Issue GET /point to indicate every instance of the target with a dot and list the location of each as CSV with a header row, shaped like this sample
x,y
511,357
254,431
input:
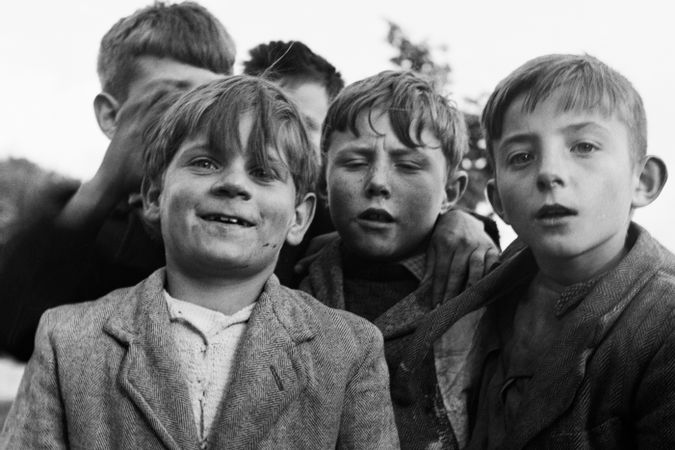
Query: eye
x,y
520,158
584,147
408,165
354,163
203,164
264,174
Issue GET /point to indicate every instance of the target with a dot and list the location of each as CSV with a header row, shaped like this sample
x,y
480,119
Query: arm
x,y
37,418
368,418
57,256
459,254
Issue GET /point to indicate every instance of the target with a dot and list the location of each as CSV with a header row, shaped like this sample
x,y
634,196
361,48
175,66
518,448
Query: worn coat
x,y
608,382
104,375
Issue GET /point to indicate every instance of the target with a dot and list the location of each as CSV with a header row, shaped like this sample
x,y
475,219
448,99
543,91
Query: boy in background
x,y
391,149
577,346
211,351
85,241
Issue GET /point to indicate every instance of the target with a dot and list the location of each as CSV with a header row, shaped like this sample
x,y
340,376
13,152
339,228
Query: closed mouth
x,y
554,212
376,215
230,220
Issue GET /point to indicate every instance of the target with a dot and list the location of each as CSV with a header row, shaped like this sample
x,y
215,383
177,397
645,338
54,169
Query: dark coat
x,y
608,382
104,375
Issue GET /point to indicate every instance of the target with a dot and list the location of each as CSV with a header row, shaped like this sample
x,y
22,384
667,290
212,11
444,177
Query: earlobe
x,y
106,108
651,180
454,190
151,192
304,213
495,199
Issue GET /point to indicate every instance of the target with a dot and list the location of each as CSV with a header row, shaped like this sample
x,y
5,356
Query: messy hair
x,y
185,32
413,106
583,82
293,60
215,109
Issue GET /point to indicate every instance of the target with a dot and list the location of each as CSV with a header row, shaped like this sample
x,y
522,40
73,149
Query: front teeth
x,y
228,220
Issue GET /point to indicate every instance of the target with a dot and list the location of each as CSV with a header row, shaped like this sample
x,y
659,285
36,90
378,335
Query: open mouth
x,y
230,220
554,212
376,215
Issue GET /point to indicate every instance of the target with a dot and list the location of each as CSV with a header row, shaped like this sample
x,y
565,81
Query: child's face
x,y
226,217
311,98
565,181
384,198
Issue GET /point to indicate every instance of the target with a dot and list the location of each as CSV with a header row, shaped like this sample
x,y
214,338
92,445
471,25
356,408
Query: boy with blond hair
x,y
577,346
211,351
391,147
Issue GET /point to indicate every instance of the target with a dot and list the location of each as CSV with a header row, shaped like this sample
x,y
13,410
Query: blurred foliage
x,y
419,58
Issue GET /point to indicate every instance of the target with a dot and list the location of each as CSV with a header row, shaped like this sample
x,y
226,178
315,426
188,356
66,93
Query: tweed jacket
x,y
608,382
104,375
397,324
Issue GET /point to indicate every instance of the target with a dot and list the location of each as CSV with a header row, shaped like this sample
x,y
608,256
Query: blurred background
x,y
48,78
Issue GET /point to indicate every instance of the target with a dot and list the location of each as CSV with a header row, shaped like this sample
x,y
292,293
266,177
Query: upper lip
x,y
227,218
376,215
554,210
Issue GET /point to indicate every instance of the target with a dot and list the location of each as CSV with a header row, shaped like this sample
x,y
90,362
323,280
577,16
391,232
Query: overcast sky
x,y
48,57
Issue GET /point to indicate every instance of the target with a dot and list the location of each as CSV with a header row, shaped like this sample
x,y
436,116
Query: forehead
x,y
150,70
552,115
310,97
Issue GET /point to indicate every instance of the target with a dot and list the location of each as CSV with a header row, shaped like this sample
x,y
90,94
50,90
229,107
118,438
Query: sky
x,y
48,55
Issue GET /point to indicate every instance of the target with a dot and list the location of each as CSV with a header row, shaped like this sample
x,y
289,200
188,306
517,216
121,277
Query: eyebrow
x,y
582,125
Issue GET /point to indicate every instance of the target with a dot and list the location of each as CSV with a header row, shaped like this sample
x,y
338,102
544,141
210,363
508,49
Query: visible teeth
x,y
226,219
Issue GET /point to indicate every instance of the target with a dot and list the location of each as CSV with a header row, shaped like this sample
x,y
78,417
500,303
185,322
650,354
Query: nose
x,y
552,170
232,182
378,182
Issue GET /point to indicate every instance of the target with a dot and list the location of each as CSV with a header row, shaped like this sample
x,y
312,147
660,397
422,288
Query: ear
x,y
151,193
106,108
495,199
304,213
652,178
454,189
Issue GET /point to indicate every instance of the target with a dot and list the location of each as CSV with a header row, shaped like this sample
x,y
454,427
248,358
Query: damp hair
x,y
582,82
185,32
214,110
413,106
293,61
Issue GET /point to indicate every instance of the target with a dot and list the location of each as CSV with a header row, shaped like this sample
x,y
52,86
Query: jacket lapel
x,y
562,371
270,371
148,372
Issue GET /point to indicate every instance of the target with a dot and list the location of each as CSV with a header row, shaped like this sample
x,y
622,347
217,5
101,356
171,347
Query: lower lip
x,y
555,221
374,224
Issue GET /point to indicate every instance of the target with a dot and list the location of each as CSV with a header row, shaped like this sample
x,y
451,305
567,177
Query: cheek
x,y
342,191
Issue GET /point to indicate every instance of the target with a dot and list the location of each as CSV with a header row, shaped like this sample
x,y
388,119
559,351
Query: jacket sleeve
x,y
655,404
368,418
36,419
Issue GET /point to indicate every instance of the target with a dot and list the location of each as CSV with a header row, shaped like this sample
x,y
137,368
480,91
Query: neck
x,y
584,266
226,295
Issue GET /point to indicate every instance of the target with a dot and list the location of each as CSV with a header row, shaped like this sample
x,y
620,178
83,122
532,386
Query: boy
x,y
312,83
391,148
577,346
212,351
87,240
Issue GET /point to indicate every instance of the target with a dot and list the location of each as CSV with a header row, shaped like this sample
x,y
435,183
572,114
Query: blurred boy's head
x,y
567,136
391,148
178,42
306,78
229,175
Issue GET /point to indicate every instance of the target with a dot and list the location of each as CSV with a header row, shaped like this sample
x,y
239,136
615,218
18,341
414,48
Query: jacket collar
x,y
268,373
326,282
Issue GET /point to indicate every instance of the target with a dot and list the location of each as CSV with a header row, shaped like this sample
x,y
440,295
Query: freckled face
x,y
224,214
565,181
384,198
